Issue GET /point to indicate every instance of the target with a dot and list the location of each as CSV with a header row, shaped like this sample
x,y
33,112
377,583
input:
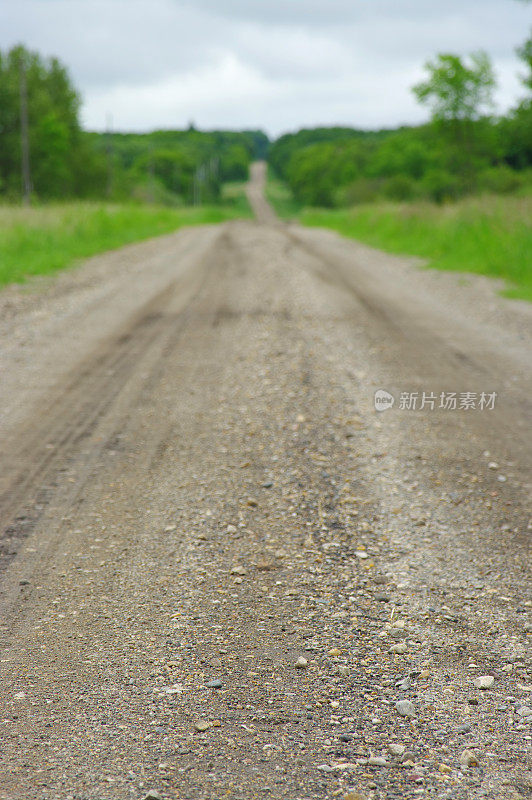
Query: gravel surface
x,y
224,574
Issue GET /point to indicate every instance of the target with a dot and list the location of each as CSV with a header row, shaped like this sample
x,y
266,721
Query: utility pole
x,y
151,175
24,134
109,154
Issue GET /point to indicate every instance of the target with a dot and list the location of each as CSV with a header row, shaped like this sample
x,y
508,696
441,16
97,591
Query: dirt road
x,y
224,574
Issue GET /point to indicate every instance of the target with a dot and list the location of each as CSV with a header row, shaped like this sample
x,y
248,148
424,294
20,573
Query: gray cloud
x,y
154,63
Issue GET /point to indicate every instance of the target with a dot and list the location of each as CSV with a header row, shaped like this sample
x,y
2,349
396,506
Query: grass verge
x,y
489,235
281,198
42,240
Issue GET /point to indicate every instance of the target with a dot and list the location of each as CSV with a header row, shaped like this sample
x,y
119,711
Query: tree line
x,y
44,151
463,150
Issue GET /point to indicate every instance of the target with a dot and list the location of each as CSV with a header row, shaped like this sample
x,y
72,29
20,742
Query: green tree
x,y
456,91
54,131
460,95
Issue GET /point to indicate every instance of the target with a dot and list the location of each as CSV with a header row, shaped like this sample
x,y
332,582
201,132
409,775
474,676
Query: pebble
x,y
214,684
345,737
468,759
238,570
399,649
152,795
396,749
301,663
377,761
361,554
463,729
524,711
202,726
405,684
405,708
335,652
484,682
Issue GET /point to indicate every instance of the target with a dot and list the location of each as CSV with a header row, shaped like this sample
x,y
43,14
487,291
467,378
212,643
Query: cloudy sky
x,y
271,64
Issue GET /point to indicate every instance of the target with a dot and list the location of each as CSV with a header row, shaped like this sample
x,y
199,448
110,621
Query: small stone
x,y
463,729
396,749
524,711
231,529
468,759
345,737
444,769
170,528
361,554
265,565
396,633
404,685
405,708
399,649
252,503
152,795
382,598
214,684
202,726
19,696
301,663
377,761
354,796
238,570
484,682
334,651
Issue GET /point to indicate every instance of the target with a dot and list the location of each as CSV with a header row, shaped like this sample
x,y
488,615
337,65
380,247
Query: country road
x,y
224,574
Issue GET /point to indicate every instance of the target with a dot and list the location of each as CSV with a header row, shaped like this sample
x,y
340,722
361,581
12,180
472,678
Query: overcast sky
x,y
272,64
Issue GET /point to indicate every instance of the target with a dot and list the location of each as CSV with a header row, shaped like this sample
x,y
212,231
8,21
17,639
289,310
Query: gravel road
x,y
224,574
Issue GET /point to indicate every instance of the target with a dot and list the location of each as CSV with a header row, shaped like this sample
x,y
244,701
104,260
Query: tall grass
x,y
280,197
489,235
40,241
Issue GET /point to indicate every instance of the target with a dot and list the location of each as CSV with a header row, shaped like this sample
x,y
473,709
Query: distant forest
x,y
464,149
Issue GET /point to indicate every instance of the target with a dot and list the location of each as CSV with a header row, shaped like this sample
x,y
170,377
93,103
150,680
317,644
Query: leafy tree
x,y
457,91
54,131
459,95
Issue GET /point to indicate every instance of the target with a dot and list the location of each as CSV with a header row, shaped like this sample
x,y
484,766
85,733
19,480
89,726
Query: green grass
x,y
280,197
489,235
42,240
234,198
